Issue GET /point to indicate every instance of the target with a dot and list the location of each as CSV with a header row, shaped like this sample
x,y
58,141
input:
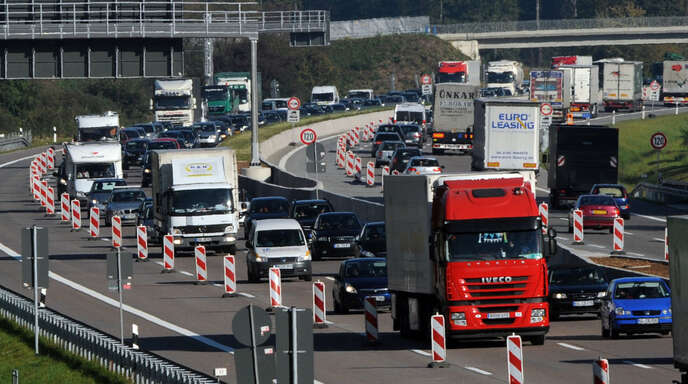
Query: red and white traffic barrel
x,y
36,188
275,278
94,222
370,309
514,360
167,253
50,202
44,193
116,231
142,242
319,309
65,214
229,276
350,159
618,239
438,341
338,158
76,215
577,226
50,159
357,136
370,173
600,371
385,172
544,216
357,169
201,264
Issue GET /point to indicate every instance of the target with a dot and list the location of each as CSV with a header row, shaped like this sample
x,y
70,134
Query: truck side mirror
x,y
551,242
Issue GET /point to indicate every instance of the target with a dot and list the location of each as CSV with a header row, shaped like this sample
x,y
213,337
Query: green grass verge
x,y
241,143
53,365
638,161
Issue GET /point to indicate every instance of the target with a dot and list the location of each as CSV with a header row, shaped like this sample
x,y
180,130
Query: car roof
x,y
374,223
359,259
264,198
422,158
138,139
306,202
108,180
270,224
336,214
609,186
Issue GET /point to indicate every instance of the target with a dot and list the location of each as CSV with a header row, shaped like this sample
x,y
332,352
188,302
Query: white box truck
x,y
103,127
453,117
585,90
678,270
675,82
622,84
552,87
505,74
85,163
195,197
173,101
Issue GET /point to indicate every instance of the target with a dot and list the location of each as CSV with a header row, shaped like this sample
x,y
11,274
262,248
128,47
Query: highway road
x,y
191,324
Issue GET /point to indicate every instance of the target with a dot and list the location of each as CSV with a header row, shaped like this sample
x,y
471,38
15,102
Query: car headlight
x,y
146,170
63,181
560,296
459,318
620,311
258,258
602,294
666,311
306,256
94,201
177,232
350,288
229,228
211,137
323,238
365,253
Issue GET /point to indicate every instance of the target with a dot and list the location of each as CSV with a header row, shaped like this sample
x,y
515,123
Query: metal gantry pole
x,y
255,152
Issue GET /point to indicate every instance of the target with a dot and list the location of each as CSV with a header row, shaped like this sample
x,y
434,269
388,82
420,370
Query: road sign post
x,y
35,267
309,137
658,141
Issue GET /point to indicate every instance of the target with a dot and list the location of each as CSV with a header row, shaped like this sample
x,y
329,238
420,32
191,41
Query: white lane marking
x,y
596,246
423,353
329,278
637,364
635,254
250,296
478,370
317,382
658,239
569,346
18,160
649,217
564,218
186,273
136,312
628,233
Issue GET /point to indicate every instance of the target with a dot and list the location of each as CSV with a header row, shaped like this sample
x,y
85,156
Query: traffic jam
x,y
466,249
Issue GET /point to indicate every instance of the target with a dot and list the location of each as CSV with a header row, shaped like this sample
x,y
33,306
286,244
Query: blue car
x,y
357,279
636,305
618,193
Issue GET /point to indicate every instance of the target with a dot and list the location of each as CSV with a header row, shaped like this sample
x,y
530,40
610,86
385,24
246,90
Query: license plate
x,y
130,216
599,212
648,320
203,239
379,298
283,266
586,303
498,315
347,245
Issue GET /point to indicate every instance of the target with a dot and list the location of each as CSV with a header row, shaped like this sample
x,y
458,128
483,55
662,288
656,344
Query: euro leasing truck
x,y
173,102
463,72
675,82
195,197
551,87
103,127
506,135
505,74
579,157
470,247
453,117
240,83
678,270
84,163
622,84
586,97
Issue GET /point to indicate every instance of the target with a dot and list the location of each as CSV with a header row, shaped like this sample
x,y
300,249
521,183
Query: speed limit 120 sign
x,y
658,141
308,136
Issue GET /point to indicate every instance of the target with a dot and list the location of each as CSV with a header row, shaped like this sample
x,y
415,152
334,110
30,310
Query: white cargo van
x,y
325,95
85,163
410,113
274,104
365,94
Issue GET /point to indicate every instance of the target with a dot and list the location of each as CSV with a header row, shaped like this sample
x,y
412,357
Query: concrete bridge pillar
x,y
468,48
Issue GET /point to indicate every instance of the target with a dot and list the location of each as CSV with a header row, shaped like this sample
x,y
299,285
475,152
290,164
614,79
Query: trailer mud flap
x,y
414,321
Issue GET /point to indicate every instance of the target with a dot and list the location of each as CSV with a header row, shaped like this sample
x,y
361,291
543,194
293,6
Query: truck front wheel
x,y
537,340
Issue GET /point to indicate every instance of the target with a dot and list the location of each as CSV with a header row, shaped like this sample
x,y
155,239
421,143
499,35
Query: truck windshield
x,y
172,102
97,133
500,77
95,171
456,77
329,96
202,201
242,95
493,245
280,238
215,95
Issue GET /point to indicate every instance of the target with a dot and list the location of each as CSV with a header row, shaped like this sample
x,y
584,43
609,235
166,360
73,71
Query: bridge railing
x,y
532,25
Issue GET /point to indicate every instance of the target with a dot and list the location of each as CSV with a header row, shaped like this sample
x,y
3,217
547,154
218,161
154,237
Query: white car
x,y
278,243
423,165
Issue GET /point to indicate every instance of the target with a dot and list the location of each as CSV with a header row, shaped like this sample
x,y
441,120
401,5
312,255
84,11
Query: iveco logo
x,y
500,279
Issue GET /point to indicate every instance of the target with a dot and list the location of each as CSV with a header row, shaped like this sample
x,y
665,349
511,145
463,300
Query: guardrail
x,y
83,341
533,25
660,193
10,141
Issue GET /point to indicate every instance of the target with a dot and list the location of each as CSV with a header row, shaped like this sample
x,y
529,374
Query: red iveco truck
x,y
468,246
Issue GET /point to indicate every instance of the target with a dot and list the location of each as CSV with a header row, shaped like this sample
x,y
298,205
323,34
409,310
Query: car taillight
x,y
416,134
471,135
412,169
617,212
438,169
438,135
378,142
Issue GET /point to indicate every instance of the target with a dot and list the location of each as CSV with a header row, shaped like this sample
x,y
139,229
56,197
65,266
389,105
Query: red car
x,y
599,212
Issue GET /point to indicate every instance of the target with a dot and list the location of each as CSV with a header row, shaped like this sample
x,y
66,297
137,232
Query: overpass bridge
x,y
472,37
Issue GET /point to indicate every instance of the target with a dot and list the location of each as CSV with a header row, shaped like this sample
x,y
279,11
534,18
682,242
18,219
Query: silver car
x,y
384,153
413,134
423,165
208,134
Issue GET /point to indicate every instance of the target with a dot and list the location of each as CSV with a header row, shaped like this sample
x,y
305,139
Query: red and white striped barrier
x,y
600,371
36,188
168,253
350,164
275,277
370,308
544,216
94,222
666,244
395,173
514,359
372,132
43,164
116,231
578,226
357,169
319,308
385,172
50,202
370,173
142,242
438,339
201,265
618,236
44,193
50,159
340,157
230,276
65,215
76,215
357,136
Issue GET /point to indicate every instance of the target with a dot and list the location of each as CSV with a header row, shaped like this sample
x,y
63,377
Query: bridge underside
x,y
91,58
581,41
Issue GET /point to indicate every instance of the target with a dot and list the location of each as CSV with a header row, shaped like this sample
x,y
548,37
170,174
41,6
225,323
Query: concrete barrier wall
x,y
16,143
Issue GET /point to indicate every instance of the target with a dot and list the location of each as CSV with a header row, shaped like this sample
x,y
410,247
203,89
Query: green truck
x,y
239,84
220,99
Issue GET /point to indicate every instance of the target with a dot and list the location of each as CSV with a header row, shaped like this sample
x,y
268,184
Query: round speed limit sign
x,y
308,136
658,141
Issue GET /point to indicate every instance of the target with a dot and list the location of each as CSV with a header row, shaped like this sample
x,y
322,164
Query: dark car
x,y
618,193
384,136
401,157
371,242
146,219
636,305
100,192
128,134
372,103
150,129
271,207
186,137
125,203
576,290
334,234
306,211
358,279
411,96
134,150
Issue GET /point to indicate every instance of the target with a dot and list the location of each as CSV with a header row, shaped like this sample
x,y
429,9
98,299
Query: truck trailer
x,y
586,97
675,83
552,87
173,102
470,247
622,84
103,127
453,117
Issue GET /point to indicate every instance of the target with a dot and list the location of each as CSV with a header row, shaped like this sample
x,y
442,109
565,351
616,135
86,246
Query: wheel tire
x,y
125,166
664,333
611,230
570,228
553,316
537,340
252,277
339,308
308,277
614,333
605,332
316,255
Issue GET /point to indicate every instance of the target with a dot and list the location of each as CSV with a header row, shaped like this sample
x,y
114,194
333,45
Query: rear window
x,y
107,186
597,200
406,153
136,145
424,163
390,146
162,145
610,191
409,128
